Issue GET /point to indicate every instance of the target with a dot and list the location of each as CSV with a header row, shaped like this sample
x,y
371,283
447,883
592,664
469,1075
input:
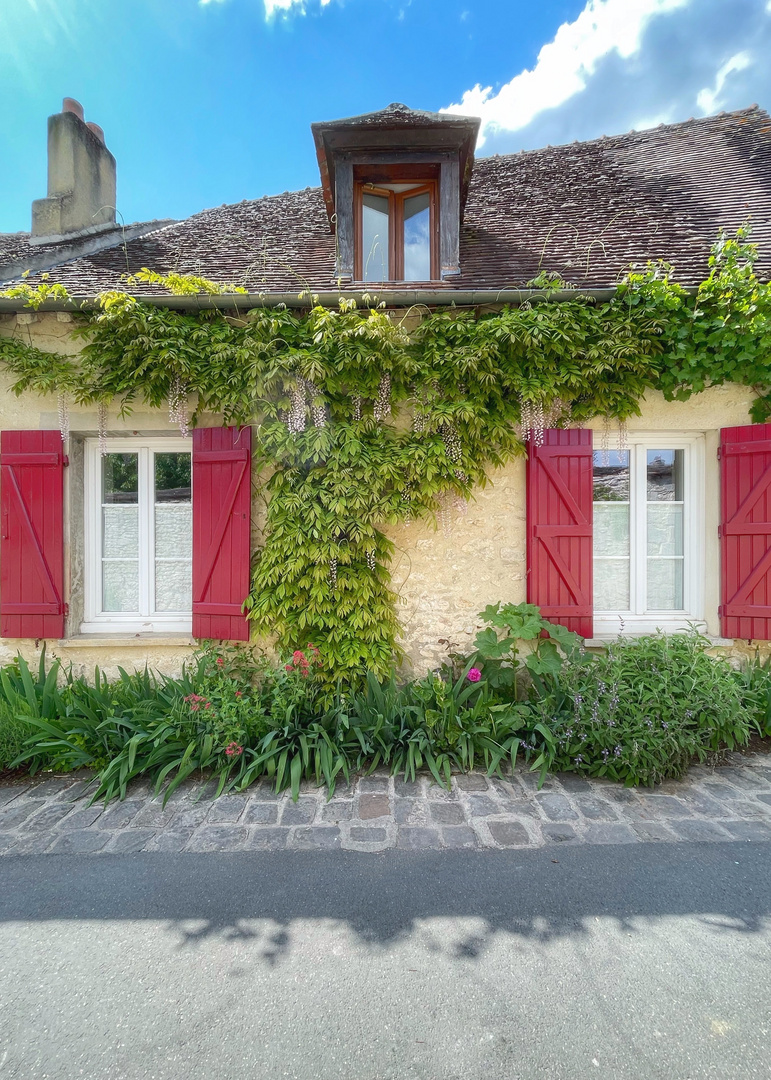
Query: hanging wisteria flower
x,y
474,675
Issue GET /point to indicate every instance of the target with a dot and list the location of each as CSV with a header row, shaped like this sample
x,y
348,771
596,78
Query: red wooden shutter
x,y
745,532
559,527
222,499
32,543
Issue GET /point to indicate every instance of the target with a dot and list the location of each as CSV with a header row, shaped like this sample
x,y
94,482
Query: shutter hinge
x,y
66,609
720,532
719,452
721,611
65,461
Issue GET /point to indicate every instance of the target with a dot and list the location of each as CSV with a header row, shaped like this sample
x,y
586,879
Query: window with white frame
x,y
648,542
138,505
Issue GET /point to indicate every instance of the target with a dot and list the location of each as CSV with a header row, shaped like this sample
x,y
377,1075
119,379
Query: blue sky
x,y
209,101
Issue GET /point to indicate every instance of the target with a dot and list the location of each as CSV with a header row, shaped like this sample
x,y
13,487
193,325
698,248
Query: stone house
x,y
142,543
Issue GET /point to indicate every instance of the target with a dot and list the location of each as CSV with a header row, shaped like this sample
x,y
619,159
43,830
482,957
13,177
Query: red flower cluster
x,y
301,663
196,702
220,662
234,750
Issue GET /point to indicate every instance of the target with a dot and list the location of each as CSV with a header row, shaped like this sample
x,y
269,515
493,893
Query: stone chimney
x,y
81,180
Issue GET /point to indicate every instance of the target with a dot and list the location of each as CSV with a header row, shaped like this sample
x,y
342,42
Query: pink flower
x,y
220,661
239,693
474,675
234,750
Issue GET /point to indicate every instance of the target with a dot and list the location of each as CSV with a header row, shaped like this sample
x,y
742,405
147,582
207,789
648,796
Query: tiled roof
x,y
586,211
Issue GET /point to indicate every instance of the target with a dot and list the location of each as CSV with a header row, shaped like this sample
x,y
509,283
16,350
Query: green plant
x,y
642,710
498,646
756,692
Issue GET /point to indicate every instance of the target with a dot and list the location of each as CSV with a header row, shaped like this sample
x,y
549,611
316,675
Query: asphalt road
x,y
638,961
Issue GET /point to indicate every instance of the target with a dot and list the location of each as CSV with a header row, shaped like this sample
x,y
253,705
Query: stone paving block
x,y
743,777
153,816
459,836
82,789
519,808
32,843
720,790
653,831
615,793
447,813
80,841
509,833
19,811
118,815
168,839
666,806
506,789
472,782
764,798
558,834
337,810
130,840
701,803
439,793
613,833
748,830
267,838
408,811
81,819
556,807
574,784
300,813
263,792
482,806
595,809
746,808
361,835
317,836
699,830
46,818
373,806
52,788
408,788
261,813
227,808
190,817
531,782
218,838
414,838
373,785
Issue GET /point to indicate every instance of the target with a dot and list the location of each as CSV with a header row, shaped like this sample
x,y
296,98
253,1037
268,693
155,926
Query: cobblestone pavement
x,y
730,802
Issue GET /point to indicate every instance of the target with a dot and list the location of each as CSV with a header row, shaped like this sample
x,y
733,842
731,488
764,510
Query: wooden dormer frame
x,y
395,174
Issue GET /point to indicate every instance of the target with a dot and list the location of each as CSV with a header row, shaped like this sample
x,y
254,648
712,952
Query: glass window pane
x,y
665,584
173,586
120,585
417,238
611,529
174,532
172,478
665,475
119,478
374,237
120,532
611,584
665,529
611,475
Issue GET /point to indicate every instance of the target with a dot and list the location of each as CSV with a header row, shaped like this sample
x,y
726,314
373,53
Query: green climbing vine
x,y
366,419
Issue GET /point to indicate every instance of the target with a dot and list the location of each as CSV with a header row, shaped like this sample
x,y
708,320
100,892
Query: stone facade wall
x,y
443,577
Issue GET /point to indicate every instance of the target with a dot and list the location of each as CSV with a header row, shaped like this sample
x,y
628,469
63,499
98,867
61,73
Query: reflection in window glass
x,y
120,532
612,567
665,475
119,478
374,237
665,545
417,238
172,478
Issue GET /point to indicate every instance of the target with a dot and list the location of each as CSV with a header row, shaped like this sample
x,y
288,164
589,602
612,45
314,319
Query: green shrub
x,y
756,691
643,710
14,731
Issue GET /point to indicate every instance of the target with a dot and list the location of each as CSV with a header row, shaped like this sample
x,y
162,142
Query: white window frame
x,y
608,624
97,621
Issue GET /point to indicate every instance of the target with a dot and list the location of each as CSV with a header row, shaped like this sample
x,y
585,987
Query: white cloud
x,y
565,64
274,7
708,99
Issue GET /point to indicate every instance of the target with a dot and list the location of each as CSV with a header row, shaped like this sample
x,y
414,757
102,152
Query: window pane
x,y
120,532
665,529
611,529
665,475
119,473
120,585
611,584
173,586
665,584
173,532
374,237
611,475
417,238
172,478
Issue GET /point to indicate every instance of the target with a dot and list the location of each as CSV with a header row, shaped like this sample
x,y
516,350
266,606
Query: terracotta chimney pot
x,y
71,105
96,130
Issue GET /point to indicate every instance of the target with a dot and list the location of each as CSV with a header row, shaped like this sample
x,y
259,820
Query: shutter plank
x,y
745,475
221,532
32,543
559,528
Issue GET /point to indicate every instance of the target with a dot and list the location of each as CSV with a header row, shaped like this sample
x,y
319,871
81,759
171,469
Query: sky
x,y
206,102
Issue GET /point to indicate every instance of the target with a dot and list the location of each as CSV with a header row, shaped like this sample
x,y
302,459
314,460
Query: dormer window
x,y
395,184
397,219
